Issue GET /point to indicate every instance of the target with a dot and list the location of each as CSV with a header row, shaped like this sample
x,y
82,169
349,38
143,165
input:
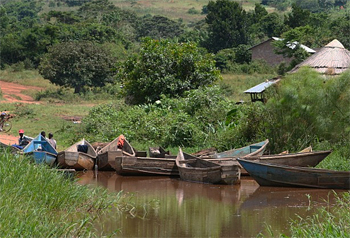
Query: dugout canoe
x,y
300,159
133,165
79,156
266,174
118,147
249,150
195,169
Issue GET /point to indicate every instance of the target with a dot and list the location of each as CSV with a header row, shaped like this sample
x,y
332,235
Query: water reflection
x,y
168,207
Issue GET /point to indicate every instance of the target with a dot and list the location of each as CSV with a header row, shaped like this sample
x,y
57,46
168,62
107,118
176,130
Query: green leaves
x,y
162,67
77,65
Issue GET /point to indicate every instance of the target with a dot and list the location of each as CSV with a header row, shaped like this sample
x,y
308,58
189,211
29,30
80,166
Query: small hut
x,y
332,59
257,92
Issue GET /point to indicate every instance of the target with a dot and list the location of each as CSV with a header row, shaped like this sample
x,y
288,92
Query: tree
x,y
290,45
227,25
298,17
165,68
341,29
159,27
77,64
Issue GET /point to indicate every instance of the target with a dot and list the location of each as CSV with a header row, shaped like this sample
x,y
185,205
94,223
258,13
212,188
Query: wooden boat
x,y
195,169
250,150
118,147
79,156
301,159
41,151
288,176
158,152
133,165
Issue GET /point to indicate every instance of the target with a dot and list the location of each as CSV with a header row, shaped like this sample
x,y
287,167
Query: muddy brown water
x,y
169,207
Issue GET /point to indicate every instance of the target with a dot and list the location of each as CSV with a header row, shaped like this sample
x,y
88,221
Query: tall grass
x,y
39,202
328,222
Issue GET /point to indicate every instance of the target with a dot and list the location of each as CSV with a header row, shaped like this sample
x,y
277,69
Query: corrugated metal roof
x,y
291,46
295,43
261,87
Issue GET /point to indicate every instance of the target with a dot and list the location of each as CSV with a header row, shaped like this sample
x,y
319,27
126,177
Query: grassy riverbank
x,y
328,222
40,202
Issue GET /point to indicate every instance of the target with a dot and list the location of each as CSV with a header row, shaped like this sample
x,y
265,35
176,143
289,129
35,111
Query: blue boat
x,y
256,149
266,174
41,150
249,150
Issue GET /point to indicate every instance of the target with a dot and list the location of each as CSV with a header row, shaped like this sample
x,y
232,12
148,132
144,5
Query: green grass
x,y
330,221
173,9
237,84
40,202
25,77
34,118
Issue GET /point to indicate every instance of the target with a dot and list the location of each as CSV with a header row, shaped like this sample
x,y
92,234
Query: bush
x,y
190,121
166,68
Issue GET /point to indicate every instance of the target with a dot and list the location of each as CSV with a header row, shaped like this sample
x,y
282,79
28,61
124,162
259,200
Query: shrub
x,y
166,68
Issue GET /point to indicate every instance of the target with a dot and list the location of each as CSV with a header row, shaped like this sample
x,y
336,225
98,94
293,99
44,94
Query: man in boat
x,y
52,140
43,134
22,140
120,143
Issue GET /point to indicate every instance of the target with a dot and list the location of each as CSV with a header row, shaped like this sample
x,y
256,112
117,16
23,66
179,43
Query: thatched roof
x,y
331,59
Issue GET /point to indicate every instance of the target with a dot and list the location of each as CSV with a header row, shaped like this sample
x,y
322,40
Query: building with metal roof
x,y
266,51
257,92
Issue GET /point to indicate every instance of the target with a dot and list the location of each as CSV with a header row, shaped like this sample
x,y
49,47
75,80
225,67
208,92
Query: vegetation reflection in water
x,y
168,207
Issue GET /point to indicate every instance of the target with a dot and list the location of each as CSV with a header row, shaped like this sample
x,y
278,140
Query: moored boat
x,y
267,174
195,169
41,150
133,165
79,156
301,159
249,150
118,147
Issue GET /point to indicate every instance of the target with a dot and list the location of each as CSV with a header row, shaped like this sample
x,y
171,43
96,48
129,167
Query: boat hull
x,y
131,165
118,147
42,157
194,169
41,151
75,160
288,176
250,150
308,159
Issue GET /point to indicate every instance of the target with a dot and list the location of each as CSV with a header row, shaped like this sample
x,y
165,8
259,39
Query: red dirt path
x,y
12,93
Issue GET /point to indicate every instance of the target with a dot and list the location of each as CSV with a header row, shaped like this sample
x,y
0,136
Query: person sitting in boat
x,y
120,143
43,134
22,140
52,140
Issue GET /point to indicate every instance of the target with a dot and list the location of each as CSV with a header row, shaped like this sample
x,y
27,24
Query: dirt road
x,y
12,93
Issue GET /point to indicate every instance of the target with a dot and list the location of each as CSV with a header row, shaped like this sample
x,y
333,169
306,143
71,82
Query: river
x,y
169,207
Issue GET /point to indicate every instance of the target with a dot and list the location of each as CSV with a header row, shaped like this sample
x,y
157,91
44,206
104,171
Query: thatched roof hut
x,y
332,59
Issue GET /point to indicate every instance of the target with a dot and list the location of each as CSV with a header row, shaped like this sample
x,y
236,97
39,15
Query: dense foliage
x,y
226,22
162,67
77,65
